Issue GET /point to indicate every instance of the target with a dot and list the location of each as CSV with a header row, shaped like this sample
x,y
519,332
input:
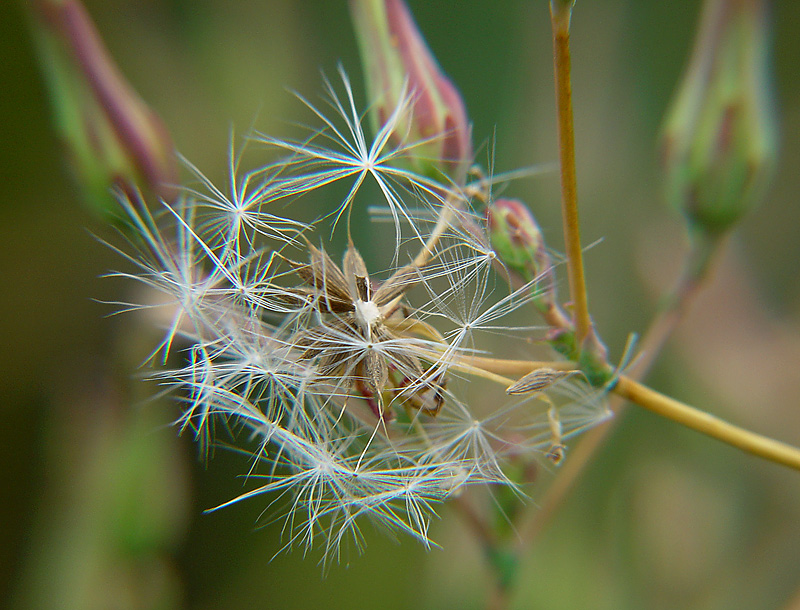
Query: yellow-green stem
x,y
688,416
560,18
442,223
501,366
708,424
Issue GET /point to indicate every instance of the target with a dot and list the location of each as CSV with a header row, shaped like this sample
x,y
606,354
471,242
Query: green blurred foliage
x,y
663,519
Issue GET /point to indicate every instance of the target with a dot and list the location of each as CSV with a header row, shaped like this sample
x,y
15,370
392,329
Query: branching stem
x,y
665,406
673,309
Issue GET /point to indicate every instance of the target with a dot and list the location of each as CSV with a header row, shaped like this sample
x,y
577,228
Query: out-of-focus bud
x,y
397,62
113,138
719,136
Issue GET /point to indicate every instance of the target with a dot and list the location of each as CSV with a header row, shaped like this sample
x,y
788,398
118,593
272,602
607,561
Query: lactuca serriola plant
x,y
353,388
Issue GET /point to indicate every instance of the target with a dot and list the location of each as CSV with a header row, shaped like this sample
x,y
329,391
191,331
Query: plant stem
x,y
708,424
446,215
450,215
695,269
677,411
794,602
514,367
476,523
560,13
491,547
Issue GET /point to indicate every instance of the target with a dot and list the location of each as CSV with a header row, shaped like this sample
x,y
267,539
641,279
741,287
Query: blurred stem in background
x,y
110,135
116,487
115,493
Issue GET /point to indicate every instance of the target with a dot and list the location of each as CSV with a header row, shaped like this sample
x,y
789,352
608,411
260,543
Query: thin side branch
x,y
514,367
627,388
446,215
708,424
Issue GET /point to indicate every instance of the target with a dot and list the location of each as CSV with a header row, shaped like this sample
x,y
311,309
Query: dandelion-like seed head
x,y
348,385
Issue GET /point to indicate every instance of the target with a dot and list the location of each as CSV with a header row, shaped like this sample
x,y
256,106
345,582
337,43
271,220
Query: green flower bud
x,y
113,138
516,238
719,136
397,62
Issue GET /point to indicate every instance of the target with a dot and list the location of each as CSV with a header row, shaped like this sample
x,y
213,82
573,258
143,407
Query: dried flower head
x,y
356,398
364,335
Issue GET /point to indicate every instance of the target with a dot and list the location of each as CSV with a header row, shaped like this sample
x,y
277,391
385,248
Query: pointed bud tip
x,y
516,237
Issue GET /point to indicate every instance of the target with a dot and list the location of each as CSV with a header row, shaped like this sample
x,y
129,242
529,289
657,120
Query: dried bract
x,y
364,334
538,380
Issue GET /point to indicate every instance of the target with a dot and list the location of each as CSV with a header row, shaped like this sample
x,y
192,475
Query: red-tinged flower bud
x,y
516,238
398,63
114,139
719,136
517,241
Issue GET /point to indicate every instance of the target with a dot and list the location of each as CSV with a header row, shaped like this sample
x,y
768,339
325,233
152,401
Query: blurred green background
x,y
102,504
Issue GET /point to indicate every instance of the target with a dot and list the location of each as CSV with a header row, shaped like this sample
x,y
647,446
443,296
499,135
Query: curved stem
x,y
492,548
627,388
708,424
560,13
794,602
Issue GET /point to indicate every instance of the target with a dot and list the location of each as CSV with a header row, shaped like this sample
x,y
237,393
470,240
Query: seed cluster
x,y
355,398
